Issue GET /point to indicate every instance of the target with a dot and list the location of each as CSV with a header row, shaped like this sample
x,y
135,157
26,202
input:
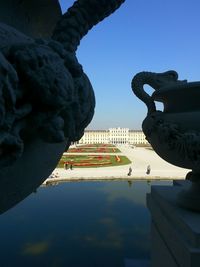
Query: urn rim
x,y
176,87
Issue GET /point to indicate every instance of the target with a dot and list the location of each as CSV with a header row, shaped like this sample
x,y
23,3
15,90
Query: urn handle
x,y
156,81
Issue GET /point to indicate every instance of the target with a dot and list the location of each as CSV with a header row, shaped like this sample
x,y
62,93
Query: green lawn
x,y
93,161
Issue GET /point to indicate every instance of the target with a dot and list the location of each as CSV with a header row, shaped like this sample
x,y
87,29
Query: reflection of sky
x,y
35,248
135,193
77,224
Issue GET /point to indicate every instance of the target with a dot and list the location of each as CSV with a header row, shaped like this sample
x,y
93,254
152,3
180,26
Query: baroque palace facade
x,y
114,136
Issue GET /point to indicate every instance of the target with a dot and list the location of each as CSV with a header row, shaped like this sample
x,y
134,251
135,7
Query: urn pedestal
x,y
175,232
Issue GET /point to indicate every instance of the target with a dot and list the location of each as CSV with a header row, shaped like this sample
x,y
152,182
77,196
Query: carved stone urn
x,y
174,133
46,98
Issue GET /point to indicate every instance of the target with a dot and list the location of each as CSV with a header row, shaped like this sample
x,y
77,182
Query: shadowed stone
x,y
46,99
34,18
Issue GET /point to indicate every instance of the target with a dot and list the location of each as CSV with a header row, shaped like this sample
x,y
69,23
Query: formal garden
x,y
94,149
96,145
91,161
103,156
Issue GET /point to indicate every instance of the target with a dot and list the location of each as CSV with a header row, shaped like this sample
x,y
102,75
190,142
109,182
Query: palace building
x,y
114,136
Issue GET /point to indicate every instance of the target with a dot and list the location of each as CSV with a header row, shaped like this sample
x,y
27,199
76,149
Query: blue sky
x,y
142,35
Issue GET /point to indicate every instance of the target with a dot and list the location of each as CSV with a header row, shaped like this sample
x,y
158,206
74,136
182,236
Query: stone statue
x,y
34,18
46,98
174,133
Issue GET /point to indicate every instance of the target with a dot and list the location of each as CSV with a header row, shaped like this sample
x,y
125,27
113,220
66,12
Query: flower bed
x,y
93,150
96,145
117,158
80,161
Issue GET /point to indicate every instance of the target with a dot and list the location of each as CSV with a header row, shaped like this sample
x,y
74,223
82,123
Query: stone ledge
x,y
137,263
178,228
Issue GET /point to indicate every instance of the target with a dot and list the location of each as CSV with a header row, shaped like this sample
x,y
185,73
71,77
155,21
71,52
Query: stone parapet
x,y
175,232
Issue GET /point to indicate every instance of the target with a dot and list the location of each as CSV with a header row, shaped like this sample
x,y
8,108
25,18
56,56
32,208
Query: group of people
x,y
147,171
54,175
68,166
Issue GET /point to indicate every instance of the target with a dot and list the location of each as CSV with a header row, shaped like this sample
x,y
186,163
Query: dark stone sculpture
x,y
34,18
174,133
46,98
42,83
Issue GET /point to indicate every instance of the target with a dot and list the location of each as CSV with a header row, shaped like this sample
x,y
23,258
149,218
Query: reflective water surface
x,y
78,224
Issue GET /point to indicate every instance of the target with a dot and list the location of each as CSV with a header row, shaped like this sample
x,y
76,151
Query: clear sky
x,y
143,35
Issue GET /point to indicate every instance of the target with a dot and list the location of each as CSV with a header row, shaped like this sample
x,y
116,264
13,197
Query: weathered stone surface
x,y
45,96
35,18
175,232
174,133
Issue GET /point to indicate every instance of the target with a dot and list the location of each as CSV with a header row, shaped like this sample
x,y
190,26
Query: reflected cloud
x,y
118,190
134,192
108,221
37,248
112,240
116,237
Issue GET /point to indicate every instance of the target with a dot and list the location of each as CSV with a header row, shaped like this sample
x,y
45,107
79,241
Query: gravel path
x,y
140,157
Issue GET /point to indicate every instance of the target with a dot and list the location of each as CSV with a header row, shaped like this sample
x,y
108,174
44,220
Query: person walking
x,y
66,166
148,169
130,171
